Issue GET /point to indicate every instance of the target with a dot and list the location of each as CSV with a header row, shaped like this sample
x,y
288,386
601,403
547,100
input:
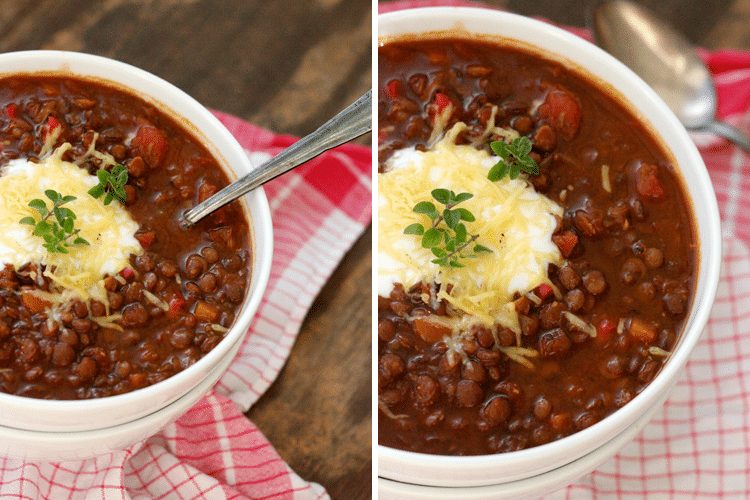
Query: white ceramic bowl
x,y
555,43
34,415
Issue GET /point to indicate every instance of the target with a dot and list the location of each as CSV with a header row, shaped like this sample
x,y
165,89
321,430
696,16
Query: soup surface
x,y
176,292
587,337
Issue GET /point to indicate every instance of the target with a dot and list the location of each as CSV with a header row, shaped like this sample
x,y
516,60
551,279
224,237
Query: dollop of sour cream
x,y
512,219
109,229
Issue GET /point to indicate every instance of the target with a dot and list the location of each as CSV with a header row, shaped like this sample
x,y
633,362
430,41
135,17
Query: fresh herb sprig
x,y
111,185
58,233
514,158
447,237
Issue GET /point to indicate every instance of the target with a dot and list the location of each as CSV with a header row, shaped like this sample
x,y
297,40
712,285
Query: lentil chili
x,y
628,245
176,300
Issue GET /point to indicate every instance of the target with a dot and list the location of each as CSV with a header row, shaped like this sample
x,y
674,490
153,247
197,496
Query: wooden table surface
x,y
285,65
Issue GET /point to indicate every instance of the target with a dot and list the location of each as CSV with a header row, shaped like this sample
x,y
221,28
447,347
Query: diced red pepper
x,y
127,273
176,303
544,290
149,143
51,124
562,112
10,110
566,242
647,182
392,89
605,330
442,101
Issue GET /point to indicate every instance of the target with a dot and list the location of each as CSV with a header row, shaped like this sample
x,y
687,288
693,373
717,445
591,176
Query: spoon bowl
x,y
666,61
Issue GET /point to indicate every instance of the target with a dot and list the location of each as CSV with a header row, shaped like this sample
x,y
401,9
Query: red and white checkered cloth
x,y
214,451
698,445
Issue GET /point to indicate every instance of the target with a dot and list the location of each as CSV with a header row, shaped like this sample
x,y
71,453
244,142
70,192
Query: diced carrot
x,y
647,182
563,113
642,330
431,331
566,242
34,303
149,143
206,312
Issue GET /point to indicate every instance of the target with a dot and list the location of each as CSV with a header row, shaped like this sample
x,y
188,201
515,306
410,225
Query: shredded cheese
x,y
109,229
512,219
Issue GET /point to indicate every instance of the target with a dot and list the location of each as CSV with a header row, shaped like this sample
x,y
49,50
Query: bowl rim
x,y
165,95
414,467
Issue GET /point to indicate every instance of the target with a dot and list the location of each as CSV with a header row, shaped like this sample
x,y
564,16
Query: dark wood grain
x,y
711,24
285,65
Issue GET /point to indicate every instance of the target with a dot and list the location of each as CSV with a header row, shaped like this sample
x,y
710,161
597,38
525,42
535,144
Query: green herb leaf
x,y
448,238
461,233
57,233
431,238
111,185
426,208
415,228
461,197
466,215
442,196
514,159
452,218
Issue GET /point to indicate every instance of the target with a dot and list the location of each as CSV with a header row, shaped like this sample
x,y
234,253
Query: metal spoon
x,y
349,124
666,61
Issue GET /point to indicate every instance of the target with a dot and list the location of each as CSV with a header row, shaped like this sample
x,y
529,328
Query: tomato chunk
x,y
566,242
647,183
145,238
562,112
149,143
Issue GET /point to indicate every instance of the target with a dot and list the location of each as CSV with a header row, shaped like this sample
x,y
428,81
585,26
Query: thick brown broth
x,y
630,257
199,275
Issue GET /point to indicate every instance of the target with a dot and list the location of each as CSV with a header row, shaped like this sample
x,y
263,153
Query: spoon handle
x,y
727,131
349,124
